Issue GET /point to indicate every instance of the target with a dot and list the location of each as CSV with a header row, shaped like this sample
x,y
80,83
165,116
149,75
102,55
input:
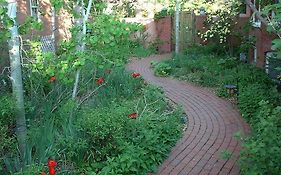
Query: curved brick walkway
x,y
212,123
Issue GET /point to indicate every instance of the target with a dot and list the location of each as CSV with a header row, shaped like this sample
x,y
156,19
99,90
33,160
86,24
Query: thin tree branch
x,y
89,95
88,10
256,12
259,16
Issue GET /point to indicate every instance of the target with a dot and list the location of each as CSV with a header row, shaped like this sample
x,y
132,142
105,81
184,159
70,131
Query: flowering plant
x,y
100,81
135,75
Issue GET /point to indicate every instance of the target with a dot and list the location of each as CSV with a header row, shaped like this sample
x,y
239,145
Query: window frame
x,y
33,6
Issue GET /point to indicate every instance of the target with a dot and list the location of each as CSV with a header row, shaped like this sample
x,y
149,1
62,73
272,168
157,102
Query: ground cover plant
x,y
126,127
258,101
114,123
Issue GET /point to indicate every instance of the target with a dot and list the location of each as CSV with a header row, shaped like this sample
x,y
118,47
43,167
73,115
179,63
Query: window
x,y
255,21
255,55
268,55
271,63
34,8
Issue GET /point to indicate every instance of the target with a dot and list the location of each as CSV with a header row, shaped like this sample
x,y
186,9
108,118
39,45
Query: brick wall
x,y
263,45
63,19
164,30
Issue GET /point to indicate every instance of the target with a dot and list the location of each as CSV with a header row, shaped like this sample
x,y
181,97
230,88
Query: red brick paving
x,y
212,123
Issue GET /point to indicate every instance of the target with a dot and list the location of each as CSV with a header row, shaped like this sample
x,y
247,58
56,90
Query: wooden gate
x,y
186,30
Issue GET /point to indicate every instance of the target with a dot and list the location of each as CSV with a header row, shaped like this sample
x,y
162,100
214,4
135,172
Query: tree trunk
x,y
81,46
16,78
53,25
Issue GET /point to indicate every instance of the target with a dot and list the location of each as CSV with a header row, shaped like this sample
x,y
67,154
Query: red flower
x,y
52,164
52,79
52,171
135,75
107,71
133,115
100,81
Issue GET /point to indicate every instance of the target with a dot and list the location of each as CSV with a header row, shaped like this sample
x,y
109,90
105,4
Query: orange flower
x,y
133,115
135,75
100,81
52,79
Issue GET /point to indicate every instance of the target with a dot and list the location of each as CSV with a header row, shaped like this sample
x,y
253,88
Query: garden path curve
x,y
212,122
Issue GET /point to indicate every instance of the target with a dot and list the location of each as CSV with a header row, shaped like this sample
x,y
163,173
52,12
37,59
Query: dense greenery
x,y
271,12
107,43
98,137
161,68
258,101
115,125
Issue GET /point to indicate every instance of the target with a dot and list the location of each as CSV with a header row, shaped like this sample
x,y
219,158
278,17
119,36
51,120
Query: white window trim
x,y
255,55
268,55
255,21
34,7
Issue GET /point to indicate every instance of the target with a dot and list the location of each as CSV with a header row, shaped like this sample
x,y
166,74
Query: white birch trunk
x,y
81,46
177,16
16,78
53,25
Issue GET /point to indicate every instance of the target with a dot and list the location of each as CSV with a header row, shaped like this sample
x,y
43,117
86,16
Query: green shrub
x,y
162,69
116,144
249,98
260,153
153,63
7,121
104,140
103,129
7,113
163,13
7,142
149,140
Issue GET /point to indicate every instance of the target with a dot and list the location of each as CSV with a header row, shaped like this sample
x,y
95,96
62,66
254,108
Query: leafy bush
x,y
163,13
260,153
112,143
7,121
162,69
153,64
251,95
7,113
7,141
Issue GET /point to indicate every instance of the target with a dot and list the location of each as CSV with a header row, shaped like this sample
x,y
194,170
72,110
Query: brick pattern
x,y
212,122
